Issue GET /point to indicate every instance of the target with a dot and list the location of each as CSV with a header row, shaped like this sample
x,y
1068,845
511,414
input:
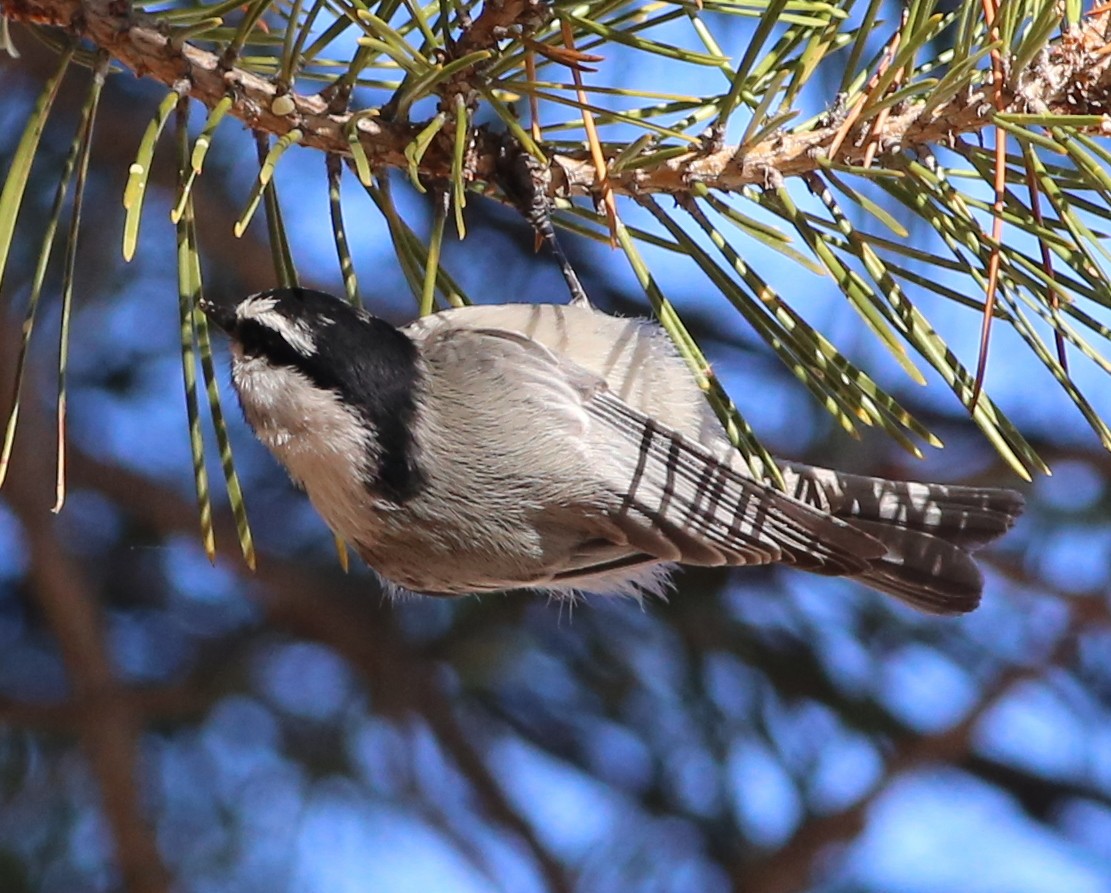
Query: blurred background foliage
x,y
166,723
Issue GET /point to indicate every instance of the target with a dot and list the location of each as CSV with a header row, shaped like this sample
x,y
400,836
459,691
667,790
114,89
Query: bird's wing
x,y
669,497
679,502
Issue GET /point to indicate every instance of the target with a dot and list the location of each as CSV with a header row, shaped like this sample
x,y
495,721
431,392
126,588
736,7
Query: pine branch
x,y
1071,77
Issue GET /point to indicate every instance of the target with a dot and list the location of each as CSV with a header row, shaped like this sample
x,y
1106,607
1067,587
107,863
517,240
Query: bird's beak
x,y
220,314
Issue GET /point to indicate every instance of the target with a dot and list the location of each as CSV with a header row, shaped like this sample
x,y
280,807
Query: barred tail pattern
x,y
930,531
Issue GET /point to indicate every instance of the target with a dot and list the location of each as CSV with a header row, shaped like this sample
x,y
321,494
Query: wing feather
x,y
712,514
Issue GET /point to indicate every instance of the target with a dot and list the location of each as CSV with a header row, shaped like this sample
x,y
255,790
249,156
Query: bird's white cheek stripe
x,y
295,333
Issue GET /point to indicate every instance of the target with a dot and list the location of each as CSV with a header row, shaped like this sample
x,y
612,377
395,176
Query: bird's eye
x,y
260,340
268,331
252,337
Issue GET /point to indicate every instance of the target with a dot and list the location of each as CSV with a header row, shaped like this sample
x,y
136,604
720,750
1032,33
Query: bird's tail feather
x,y
923,570
930,531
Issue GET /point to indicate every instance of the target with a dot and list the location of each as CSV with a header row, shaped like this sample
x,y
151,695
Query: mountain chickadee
x,y
558,448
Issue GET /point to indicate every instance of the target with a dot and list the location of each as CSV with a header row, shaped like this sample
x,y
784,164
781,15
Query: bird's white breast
x,y
322,443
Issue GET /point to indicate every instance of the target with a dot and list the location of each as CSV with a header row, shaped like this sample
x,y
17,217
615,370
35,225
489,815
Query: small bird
x,y
558,448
